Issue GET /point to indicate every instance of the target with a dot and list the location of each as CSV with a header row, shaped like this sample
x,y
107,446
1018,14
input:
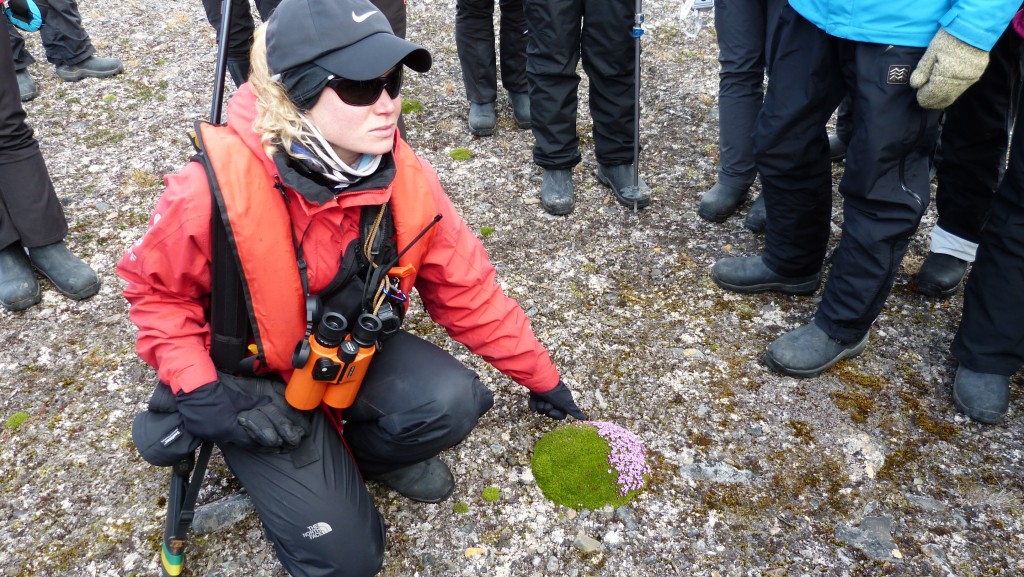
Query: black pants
x,y
559,36
241,27
29,210
744,30
474,38
991,334
885,186
416,401
971,156
64,40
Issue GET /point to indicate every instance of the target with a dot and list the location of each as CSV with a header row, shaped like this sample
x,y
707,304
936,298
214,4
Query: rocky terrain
x,y
866,470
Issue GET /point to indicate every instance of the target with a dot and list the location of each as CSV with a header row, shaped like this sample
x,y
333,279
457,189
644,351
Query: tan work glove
x,y
949,66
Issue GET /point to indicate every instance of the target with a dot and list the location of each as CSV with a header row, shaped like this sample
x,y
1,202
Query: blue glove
x,y
556,403
247,412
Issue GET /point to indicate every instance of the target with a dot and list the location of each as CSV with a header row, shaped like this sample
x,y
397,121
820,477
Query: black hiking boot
x,y
749,274
807,351
91,67
26,85
940,275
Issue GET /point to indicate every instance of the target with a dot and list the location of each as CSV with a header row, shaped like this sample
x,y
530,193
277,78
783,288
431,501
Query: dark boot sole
x,y
798,289
83,74
808,373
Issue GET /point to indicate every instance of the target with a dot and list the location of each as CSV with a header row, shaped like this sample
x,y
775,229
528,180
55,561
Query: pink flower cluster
x,y
628,455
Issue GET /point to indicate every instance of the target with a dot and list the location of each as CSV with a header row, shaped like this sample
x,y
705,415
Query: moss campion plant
x,y
590,464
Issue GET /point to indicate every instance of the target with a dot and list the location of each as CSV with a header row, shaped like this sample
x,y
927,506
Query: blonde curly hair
x,y
278,121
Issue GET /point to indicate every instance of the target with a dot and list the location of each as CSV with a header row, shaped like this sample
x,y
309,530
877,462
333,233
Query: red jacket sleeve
x,y
460,292
168,283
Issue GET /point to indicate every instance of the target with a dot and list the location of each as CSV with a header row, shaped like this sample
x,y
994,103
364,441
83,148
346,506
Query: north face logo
x,y
318,530
898,74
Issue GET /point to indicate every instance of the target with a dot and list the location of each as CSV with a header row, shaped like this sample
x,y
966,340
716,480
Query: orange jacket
x,y
168,270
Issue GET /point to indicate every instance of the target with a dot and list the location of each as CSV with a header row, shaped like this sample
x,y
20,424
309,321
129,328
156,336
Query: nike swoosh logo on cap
x,y
361,17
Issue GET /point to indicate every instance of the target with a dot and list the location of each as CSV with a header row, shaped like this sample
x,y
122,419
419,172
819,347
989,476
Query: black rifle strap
x,y
188,504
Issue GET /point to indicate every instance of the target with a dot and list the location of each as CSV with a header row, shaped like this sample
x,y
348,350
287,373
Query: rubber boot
x,y
720,202
19,288
940,275
429,481
984,397
239,71
749,274
66,271
482,119
808,350
556,194
620,179
521,108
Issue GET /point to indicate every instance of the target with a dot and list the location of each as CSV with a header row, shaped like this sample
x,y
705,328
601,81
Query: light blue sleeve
x,y
979,22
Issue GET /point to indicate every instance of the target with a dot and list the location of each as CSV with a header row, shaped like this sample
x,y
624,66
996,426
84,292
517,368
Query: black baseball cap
x,y
348,38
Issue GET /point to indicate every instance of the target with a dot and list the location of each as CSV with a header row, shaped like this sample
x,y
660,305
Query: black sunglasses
x,y
366,92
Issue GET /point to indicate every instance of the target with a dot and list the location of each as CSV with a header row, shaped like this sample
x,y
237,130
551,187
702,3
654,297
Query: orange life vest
x,y
259,232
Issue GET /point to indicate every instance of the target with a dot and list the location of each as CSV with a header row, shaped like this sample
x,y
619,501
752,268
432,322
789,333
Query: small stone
x,y
587,544
221,514
474,552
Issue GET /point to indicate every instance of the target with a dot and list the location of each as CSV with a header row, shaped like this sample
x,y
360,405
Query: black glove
x,y
556,403
247,412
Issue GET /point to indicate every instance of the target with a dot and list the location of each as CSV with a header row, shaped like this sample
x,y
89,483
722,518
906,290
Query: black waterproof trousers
x,y
65,41
744,30
971,155
885,186
474,39
415,401
991,335
599,32
30,212
241,27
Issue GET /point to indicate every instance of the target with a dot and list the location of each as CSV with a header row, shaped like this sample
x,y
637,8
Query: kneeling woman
x,y
325,204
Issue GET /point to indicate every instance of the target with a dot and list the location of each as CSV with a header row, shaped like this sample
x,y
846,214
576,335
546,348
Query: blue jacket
x,y
910,22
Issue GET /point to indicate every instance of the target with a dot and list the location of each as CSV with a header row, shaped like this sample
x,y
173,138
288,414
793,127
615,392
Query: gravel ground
x,y
867,470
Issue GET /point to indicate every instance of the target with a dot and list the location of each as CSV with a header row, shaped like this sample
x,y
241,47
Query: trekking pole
x,y
638,31
187,475
222,61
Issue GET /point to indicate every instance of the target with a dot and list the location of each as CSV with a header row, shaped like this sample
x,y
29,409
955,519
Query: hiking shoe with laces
x,y
429,481
556,194
482,119
66,271
19,288
807,351
620,179
749,274
984,397
91,67
720,202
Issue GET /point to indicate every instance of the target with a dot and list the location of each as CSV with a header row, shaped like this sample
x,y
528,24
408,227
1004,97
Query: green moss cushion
x,y
590,464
